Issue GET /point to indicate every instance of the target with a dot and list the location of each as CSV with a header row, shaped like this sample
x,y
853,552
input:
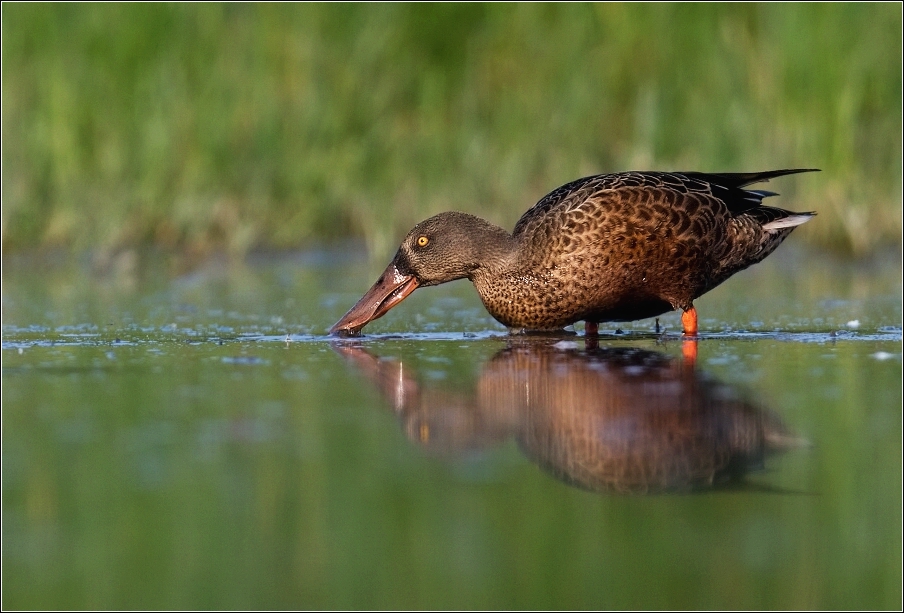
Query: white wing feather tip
x,y
791,221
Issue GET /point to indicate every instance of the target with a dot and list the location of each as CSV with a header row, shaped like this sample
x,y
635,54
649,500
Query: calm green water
x,y
190,439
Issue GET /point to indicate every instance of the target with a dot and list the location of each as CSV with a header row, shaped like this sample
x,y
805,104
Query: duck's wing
x,y
573,194
726,187
729,188
743,179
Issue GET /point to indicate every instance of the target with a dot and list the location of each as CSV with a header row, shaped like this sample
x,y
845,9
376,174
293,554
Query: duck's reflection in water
x,y
622,420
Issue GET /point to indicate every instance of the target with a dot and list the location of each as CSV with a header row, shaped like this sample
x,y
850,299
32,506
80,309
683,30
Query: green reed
x,y
206,127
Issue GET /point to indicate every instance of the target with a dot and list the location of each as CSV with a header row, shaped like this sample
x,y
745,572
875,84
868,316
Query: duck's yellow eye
x,y
422,241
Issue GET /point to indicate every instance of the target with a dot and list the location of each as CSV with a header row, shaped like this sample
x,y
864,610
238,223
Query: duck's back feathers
x,y
724,187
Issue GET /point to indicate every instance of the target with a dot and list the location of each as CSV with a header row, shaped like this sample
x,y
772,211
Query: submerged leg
x,y
689,322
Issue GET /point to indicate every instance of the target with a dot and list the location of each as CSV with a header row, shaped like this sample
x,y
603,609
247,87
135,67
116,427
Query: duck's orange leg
x,y
689,322
689,345
591,328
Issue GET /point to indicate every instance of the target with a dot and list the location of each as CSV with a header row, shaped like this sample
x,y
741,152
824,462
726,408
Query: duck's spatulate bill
x,y
390,289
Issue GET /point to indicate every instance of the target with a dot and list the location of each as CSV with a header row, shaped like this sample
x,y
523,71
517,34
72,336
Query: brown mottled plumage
x,y
616,247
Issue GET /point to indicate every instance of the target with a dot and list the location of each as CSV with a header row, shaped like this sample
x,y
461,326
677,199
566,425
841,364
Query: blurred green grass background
x,y
203,128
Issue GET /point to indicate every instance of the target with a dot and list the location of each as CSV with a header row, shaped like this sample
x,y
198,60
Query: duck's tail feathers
x,y
772,218
791,221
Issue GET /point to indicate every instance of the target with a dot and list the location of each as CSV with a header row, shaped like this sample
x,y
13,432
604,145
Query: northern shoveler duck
x,y
616,247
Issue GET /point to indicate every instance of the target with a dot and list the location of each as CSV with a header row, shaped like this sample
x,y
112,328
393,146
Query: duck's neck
x,y
492,249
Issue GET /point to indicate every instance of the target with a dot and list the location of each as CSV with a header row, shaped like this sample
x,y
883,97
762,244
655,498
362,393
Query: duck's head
x,y
443,248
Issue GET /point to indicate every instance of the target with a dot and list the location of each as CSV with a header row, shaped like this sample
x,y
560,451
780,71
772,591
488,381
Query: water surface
x,y
188,438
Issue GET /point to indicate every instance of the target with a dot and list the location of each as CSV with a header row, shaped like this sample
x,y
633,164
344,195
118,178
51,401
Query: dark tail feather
x,y
742,179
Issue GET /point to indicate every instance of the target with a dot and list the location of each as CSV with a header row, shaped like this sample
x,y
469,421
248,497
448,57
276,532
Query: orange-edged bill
x,y
390,289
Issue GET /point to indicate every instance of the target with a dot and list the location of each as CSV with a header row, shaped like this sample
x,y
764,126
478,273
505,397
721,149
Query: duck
x,y
613,247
